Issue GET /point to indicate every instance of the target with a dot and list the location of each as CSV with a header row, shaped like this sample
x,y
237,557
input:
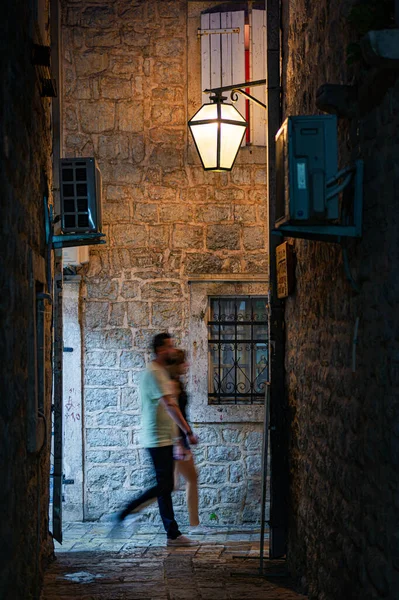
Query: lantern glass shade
x,y
218,130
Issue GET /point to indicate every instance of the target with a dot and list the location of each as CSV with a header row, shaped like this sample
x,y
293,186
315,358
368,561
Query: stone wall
x,y
131,81
25,174
343,534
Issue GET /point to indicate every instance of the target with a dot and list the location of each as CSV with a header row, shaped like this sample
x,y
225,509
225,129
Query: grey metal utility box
x,y
306,160
80,183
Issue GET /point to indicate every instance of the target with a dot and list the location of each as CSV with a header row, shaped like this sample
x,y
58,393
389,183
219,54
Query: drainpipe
x,y
278,412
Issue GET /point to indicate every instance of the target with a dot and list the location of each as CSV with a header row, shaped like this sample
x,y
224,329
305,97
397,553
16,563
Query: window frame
x,y
238,398
218,52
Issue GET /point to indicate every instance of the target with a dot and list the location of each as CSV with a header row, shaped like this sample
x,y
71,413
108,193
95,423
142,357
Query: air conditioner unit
x,y
75,256
80,193
306,160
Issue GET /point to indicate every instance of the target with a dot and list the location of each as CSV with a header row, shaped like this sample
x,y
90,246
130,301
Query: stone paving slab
x,y
91,565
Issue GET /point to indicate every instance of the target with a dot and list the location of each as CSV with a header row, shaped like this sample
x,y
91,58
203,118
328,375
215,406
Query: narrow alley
x,y
199,315
138,566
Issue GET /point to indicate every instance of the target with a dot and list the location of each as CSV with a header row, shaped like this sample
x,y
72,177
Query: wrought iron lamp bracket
x,y
238,88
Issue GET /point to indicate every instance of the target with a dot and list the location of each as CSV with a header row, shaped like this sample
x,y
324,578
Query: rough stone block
x,y
168,72
166,314
142,478
169,47
115,212
233,494
223,237
134,236
213,213
90,63
113,146
130,399
70,118
106,377
118,420
130,117
208,496
244,213
161,290
117,314
251,514
241,175
98,16
137,149
232,435
130,289
133,39
167,135
100,399
143,339
146,212
114,88
111,339
130,359
213,475
121,192
172,213
237,472
126,65
258,263
167,158
96,314
254,238
103,478
138,314
188,236
162,193
107,437
253,441
253,464
97,116
223,453
203,263
106,288
159,236
102,39
177,178
97,456
230,195
122,173
100,358
207,435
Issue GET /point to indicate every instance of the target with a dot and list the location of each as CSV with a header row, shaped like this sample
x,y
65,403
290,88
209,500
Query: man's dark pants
x,y
162,459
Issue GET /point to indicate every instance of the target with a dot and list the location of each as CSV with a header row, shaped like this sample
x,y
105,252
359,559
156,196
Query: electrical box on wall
x,y
307,157
75,256
309,203
80,181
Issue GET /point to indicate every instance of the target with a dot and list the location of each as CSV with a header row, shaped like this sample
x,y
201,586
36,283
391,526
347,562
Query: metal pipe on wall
x,y
278,412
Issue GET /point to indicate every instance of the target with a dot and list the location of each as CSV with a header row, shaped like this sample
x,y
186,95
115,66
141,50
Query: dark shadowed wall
x,y
25,176
344,441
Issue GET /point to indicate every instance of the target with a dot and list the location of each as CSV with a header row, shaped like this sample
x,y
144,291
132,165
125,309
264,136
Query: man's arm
x,y
173,410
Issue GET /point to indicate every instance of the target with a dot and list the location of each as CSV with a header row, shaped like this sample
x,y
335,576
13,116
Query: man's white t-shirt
x,y
157,428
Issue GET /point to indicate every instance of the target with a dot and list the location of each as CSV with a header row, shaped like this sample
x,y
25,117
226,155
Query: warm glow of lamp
x,y
218,130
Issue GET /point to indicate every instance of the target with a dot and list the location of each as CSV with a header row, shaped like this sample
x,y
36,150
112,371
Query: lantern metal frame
x,y
217,97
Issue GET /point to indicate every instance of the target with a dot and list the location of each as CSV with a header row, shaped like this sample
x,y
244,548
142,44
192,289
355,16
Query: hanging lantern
x,y
218,130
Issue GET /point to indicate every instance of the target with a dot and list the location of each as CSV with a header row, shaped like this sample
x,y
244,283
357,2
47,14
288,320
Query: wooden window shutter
x,y
258,71
223,55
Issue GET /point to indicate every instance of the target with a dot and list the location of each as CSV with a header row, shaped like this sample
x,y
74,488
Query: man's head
x,y
163,346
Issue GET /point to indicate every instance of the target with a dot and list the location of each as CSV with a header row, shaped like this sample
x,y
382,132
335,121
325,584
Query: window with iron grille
x,y
237,350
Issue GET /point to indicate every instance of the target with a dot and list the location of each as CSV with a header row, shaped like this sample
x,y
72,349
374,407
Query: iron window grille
x,y
238,346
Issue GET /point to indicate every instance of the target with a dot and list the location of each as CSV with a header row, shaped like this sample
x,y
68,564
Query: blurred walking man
x,y
160,415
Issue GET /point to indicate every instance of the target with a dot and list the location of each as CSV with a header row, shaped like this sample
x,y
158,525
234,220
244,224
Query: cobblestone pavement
x,y
136,565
